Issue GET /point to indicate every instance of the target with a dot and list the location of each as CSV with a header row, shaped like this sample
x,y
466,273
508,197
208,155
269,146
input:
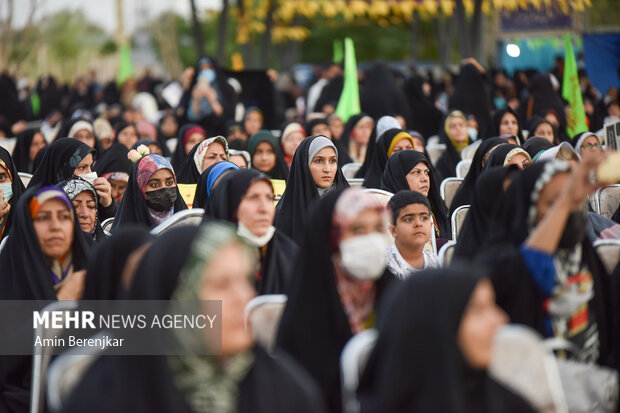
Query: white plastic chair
x,y
380,194
106,225
608,251
353,360
25,177
446,253
522,363
262,317
434,152
66,371
171,144
43,354
469,151
8,144
355,182
349,170
457,219
448,189
607,200
3,243
462,168
187,217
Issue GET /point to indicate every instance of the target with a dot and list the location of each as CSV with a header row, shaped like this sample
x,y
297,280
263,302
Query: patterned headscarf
x,y
45,194
147,166
201,151
350,204
208,387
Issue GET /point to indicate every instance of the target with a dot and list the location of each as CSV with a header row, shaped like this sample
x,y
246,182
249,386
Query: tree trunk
x,y
222,32
443,40
265,46
477,38
464,34
414,37
198,40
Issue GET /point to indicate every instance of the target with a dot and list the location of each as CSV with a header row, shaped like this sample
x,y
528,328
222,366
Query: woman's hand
x,y
104,190
72,287
5,207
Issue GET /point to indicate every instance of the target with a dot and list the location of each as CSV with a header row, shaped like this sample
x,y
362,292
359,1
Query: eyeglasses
x,y
592,145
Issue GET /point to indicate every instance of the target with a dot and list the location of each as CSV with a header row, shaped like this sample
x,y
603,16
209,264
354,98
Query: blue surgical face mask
x,y
7,189
207,75
500,102
472,132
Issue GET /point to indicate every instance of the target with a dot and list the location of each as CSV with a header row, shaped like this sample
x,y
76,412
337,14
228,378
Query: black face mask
x,y
574,230
162,199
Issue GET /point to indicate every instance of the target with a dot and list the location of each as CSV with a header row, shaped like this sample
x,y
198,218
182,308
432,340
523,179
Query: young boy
x,y
411,230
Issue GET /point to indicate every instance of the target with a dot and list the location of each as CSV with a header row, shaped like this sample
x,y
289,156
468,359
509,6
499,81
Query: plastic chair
x,y
171,144
43,355
469,151
380,194
66,371
446,253
3,243
187,217
106,225
355,182
608,251
434,151
462,168
8,144
457,219
349,170
448,189
607,200
353,360
25,177
262,316
522,363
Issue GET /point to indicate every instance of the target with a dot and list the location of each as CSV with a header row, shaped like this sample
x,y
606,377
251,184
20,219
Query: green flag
x,y
338,54
125,67
349,102
572,92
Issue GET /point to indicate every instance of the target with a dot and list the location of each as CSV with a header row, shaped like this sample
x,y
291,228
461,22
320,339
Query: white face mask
x,y
254,240
363,257
89,177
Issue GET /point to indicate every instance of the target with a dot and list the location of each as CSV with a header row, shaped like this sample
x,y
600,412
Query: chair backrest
x,y
66,371
8,144
349,170
448,189
187,217
522,363
171,144
262,316
3,243
43,354
384,197
355,182
462,168
434,152
607,200
353,360
446,252
380,194
609,252
469,151
25,177
106,225
457,220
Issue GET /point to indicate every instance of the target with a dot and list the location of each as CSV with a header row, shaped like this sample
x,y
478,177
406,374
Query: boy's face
x,y
413,226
